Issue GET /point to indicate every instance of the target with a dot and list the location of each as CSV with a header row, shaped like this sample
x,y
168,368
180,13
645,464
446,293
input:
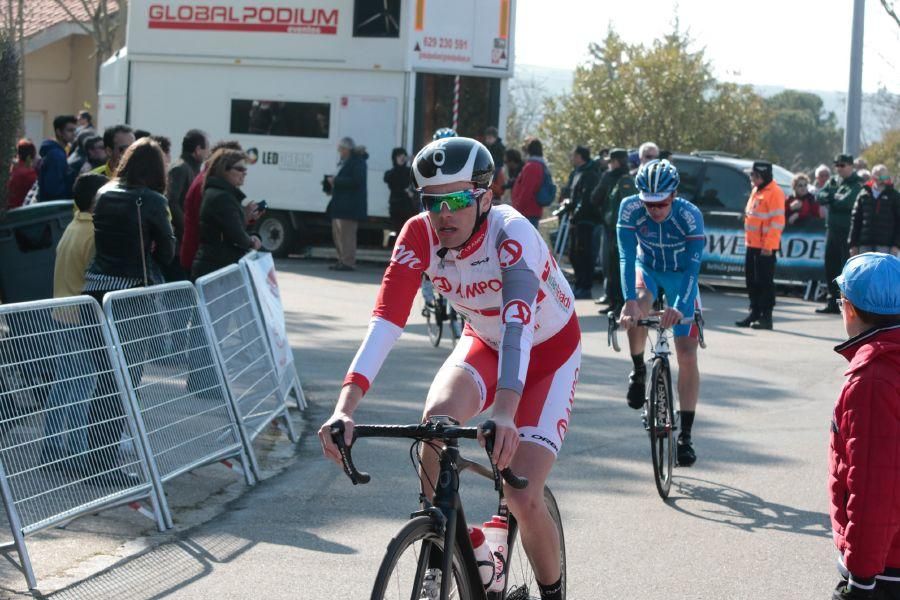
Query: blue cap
x,y
871,281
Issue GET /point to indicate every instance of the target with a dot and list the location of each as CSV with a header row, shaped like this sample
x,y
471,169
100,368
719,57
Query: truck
x,y
289,79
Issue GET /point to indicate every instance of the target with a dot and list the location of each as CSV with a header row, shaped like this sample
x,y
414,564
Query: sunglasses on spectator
x,y
454,200
841,165
241,169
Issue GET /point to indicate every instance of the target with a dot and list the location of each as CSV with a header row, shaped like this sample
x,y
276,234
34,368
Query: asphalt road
x,y
749,520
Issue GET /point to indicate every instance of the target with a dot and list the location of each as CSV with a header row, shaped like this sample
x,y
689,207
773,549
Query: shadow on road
x,y
719,503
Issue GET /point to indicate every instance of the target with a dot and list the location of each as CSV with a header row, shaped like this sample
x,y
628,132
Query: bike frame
x,y
446,511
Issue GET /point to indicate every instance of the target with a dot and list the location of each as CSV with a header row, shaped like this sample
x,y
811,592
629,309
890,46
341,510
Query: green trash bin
x,y
28,239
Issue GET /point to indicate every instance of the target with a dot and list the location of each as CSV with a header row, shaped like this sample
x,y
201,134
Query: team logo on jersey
x,y
509,253
402,256
442,284
516,311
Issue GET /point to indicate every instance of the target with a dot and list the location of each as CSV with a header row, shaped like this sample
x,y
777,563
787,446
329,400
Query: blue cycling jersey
x,y
675,245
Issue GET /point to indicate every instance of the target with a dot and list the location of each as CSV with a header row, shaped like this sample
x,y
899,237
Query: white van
x,y
290,78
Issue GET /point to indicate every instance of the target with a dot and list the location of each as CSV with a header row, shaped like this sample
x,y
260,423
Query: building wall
x,y
60,79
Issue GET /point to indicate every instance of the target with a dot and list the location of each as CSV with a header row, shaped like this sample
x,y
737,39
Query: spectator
x,y
192,201
165,144
801,205
54,177
223,220
95,153
65,424
495,146
839,195
513,163
647,152
861,165
864,482
529,181
141,133
348,202
763,225
823,174
582,181
84,121
401,203
606,198
875,220
132,234
116,140
22,174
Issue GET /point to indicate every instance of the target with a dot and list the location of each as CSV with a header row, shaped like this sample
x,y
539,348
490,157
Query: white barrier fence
x,y
101,407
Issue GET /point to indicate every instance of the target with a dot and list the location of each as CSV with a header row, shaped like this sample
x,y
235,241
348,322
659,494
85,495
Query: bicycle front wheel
x,y
521,583
405,565
662,426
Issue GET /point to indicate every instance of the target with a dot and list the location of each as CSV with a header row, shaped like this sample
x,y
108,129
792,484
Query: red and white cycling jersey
x,y
504,281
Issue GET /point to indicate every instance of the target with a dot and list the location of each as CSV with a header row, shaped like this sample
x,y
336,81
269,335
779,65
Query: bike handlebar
x,y
424,432
652,322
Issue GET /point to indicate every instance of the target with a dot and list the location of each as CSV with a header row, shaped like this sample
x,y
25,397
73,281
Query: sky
x,y
799,44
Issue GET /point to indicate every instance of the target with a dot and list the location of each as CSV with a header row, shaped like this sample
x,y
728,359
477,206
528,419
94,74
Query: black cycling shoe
x,y
686,454
637,387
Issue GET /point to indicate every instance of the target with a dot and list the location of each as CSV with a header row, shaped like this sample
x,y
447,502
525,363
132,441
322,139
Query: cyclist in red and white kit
x,y
520,351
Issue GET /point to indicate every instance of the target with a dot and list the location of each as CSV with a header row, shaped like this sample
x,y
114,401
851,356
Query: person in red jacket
x,y
864,458
801,206
525,189
22,175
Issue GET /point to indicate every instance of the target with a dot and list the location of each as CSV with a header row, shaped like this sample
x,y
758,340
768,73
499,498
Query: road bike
x,y
659,415
422,544
438,312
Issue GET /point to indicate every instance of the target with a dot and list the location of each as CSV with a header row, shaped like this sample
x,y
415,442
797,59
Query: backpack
x,y
546,194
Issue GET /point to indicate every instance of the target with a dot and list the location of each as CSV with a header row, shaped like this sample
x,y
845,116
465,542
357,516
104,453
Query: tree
x,y
626,94
10,117
800,134
106,19
886,152
526,98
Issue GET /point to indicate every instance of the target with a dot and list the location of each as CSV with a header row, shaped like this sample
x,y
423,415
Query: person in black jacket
x,y
400,203
223,221
348,205
582,181
132,235
875,220
606,199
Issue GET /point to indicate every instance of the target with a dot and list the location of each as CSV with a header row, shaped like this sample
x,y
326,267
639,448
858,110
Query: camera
x,y
261,206
326,185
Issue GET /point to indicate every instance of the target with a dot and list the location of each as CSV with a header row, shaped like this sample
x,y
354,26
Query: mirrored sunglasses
x,y
455,200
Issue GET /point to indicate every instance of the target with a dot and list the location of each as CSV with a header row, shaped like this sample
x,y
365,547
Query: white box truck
x,y
290,78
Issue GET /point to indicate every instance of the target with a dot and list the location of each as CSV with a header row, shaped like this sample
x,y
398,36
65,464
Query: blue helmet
x,y
443,132
657,180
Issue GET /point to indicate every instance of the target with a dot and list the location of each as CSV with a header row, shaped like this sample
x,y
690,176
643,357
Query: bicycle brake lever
x,y
612,338
337,435
488,428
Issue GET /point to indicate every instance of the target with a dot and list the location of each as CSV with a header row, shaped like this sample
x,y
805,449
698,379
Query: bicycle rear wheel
x,y
520,581
406,560
434,320
661,418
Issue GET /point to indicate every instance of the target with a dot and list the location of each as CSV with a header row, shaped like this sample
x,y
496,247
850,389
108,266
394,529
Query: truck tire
x,y
277,233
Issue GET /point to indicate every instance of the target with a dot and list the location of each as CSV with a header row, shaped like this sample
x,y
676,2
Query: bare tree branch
x,y
889,8
65,6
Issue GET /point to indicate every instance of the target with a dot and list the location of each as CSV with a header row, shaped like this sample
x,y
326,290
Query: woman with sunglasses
x,y
669,231
223,221
494,268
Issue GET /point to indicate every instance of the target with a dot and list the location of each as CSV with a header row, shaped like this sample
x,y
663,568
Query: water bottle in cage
x,y
496,534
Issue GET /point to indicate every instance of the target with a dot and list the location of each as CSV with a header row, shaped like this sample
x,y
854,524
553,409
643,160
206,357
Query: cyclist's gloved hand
x,y
506,434
855,589
670,317
630,314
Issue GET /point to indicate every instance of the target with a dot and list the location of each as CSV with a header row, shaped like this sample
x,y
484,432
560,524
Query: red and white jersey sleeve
x,y
398,290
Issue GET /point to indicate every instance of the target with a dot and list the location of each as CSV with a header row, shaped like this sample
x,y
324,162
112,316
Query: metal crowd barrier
x,y
166,348
64,414
227,297
260,270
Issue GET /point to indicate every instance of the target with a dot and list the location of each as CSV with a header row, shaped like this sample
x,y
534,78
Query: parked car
x,y
719,184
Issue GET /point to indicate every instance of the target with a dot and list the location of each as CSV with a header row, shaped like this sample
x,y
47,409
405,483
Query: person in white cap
x,y
864,461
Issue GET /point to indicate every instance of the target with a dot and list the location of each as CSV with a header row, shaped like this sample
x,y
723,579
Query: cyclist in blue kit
x,y
661,244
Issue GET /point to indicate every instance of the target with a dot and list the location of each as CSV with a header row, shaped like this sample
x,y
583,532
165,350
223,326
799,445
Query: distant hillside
x,y
548,81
